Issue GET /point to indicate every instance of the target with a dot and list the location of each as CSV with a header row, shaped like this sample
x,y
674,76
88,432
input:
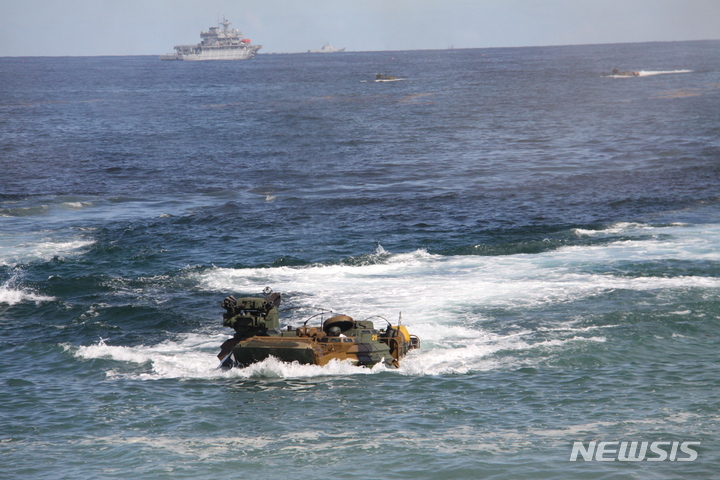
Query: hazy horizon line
x,y
404,50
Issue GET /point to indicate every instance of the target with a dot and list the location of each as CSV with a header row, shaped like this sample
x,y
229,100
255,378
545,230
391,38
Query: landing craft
x,y
385,78
617,73
258,336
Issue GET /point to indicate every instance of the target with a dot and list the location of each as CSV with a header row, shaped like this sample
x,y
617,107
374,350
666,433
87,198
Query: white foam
x,y
676,241
274,368
478,354
36,249
11,293
616,228
17,249
649,73
12,296
75,205
172,358
193,356
431,288
444,300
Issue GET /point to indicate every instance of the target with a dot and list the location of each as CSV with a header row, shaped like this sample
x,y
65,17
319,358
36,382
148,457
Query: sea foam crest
x,y
615,228
31,250
11,292
193,356
435,288
12,296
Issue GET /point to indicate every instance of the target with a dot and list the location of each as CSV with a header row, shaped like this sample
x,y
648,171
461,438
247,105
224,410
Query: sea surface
x,y
549,230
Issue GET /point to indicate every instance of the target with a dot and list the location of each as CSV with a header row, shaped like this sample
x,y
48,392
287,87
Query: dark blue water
x,y
548,229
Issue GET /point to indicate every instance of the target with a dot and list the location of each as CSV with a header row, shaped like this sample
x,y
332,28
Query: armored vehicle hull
x,y
259,337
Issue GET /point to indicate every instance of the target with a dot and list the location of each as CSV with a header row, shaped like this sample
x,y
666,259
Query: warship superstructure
x,y
217,44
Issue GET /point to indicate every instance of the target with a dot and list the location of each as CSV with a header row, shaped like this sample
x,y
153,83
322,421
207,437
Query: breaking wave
x,y
23,250
12,293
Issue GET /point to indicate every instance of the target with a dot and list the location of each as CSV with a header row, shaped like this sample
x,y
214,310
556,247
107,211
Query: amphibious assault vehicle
x,y
258,336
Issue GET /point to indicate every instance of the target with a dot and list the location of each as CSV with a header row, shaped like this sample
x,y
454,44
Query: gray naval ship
x,y
217,44
327,48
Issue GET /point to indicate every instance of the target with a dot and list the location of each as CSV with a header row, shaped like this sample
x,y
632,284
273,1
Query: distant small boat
x,y
327,48
386,78
617,73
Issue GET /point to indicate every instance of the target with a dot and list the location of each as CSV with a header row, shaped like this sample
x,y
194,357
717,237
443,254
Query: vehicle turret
x,y
252,315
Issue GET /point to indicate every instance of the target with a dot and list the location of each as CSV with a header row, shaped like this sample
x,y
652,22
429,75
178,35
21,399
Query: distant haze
x,y
150,27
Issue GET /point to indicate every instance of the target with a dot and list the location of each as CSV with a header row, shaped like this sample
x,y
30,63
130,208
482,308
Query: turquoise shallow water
x,y
548,230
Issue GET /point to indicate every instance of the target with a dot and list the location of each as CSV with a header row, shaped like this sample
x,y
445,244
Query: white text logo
x,y
634,451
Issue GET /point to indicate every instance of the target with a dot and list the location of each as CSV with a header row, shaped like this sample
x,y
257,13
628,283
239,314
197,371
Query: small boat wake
x,y
644,73
477,322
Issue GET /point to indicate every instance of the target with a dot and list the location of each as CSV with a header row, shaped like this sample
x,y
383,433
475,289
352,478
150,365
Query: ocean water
x,y
550,231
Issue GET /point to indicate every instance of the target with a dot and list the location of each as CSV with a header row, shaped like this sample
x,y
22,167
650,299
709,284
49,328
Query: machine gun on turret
x,y
249,317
